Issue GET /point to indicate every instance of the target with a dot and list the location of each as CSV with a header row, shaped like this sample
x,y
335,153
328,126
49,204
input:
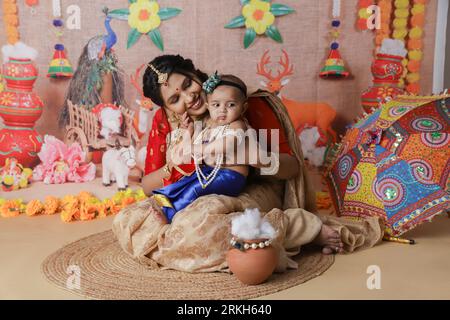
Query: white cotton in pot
x,y
393,47
18,51
250,226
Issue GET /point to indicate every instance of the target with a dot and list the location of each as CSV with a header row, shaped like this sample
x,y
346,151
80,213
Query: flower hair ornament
x,y
162,77
212,82
216,80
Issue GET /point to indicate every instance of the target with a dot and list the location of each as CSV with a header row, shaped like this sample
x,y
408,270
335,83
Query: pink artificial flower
x,y
62,163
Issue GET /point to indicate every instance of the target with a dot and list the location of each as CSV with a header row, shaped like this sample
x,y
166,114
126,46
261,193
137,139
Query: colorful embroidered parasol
x,y
395,164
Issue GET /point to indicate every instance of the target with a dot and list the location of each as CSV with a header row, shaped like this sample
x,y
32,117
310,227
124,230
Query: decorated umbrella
x,y
395,163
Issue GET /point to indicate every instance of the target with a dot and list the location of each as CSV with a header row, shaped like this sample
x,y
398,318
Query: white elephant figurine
x,y
116,165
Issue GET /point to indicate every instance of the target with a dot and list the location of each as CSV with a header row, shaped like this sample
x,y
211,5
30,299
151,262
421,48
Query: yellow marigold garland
x,y
11,21
415,45
400,29
81,207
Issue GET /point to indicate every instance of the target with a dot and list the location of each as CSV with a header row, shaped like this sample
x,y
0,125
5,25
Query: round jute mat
x,y
107,272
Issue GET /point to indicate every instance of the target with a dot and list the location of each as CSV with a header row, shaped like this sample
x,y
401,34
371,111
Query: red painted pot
x,y
387,71
20,108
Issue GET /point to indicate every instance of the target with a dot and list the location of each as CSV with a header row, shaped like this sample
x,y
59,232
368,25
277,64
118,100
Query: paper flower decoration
x,y
144,17
258,16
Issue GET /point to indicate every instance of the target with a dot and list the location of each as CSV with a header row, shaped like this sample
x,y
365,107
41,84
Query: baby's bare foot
x,y
330,240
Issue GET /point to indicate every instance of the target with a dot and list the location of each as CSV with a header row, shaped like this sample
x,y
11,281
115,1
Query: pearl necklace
x,y
205,181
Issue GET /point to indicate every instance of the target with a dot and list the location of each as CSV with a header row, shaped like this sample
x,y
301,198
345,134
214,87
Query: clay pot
x,y
387,71
253,266
20,108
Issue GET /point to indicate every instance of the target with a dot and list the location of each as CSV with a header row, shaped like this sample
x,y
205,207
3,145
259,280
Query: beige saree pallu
x,y
198,237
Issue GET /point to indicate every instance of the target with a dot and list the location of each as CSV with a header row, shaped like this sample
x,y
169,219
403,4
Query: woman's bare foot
x,y
330,240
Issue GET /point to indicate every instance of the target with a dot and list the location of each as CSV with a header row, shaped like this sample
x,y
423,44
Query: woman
x,y
197,239
179,93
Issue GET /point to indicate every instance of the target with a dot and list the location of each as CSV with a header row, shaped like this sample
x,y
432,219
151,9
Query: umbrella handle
x,y
398,240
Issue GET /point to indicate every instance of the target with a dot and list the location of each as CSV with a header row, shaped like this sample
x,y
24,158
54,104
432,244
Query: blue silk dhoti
x,y
182,193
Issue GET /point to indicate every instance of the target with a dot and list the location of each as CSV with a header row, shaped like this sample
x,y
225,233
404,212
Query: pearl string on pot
x,y
242,245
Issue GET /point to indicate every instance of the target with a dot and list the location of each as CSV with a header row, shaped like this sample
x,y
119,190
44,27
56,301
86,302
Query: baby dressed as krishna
x,y
222,136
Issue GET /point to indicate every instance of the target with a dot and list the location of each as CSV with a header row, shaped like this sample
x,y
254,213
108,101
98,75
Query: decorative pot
x,y
20,108
253,265
387,71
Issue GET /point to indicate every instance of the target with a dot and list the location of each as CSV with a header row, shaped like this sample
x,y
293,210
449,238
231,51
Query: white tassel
x,y
56,8
336,8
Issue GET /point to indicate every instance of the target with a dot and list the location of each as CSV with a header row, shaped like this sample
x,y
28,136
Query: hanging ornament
x,y
32,4
60,66
334,65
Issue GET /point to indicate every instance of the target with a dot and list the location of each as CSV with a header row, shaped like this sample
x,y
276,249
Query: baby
x,y
225,130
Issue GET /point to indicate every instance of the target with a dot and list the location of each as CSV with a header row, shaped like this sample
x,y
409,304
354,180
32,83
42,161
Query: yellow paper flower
x,y
258,16
110,207
12,208
400,33
84,196
401,4
413,77
144,16
140,195
34,207
88,211
415,55
416,33
51,205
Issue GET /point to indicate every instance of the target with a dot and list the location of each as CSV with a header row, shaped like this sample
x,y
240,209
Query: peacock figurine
x,y
96,60
99,45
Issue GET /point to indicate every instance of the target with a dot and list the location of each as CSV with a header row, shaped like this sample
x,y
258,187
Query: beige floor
x,y
421,271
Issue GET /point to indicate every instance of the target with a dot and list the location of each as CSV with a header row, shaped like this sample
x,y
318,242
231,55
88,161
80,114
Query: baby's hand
x,y
185,120
187,124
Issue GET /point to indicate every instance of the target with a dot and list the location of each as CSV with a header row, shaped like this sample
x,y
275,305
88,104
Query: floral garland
x,y
400,24
415,45
81,207
11,21
363,13
385,29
